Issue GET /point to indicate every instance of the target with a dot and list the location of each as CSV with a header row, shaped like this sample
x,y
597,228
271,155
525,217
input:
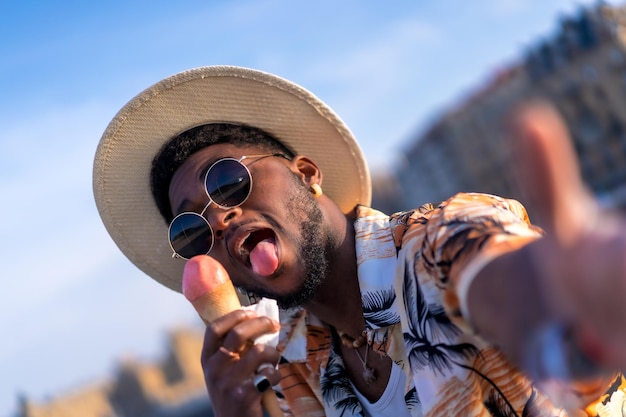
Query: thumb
x,y
546,168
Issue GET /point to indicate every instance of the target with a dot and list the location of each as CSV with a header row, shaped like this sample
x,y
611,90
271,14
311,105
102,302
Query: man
x,y
446,309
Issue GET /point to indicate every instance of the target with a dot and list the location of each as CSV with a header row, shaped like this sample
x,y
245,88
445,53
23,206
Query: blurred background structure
x,y
581,69
77,301
171,387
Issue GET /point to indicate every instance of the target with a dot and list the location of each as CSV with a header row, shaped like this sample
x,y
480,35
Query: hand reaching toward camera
x,y
582,259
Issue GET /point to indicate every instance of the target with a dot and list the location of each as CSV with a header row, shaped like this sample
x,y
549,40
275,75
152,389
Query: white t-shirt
x,y
391,403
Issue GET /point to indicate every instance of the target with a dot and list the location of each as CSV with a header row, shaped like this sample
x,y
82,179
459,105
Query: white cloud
x,y
51,220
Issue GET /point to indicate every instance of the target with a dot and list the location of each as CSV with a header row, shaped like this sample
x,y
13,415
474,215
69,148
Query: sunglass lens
x,y
190,235
228,183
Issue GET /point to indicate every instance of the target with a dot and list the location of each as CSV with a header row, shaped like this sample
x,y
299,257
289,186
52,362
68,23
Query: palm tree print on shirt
x,y
336,388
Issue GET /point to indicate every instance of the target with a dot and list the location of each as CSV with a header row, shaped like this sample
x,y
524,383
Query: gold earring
x,y
316,190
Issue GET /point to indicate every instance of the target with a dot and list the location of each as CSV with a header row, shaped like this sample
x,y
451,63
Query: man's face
x,y
274,243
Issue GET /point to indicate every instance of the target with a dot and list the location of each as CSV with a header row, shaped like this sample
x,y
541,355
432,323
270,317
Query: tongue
x,y
264,258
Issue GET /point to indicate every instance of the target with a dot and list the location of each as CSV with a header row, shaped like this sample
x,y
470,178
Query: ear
x,y
307,170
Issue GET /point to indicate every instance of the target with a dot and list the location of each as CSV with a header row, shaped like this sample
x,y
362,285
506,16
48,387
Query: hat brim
x,y
123,160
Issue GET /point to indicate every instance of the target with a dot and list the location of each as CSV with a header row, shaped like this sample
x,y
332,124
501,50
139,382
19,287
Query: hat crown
x,y
224,94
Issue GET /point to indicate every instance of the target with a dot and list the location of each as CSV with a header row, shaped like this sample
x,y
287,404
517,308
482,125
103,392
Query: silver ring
x,y
261,383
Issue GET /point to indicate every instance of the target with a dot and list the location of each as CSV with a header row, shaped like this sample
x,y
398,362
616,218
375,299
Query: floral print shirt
x,y
412,309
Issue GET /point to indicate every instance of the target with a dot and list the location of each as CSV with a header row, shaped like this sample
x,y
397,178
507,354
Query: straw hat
x,y
121,174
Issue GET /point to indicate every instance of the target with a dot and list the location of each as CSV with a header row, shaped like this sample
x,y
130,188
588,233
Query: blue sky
x,y
71,305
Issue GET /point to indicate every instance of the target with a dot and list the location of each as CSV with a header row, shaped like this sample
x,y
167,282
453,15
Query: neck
x,y
338,302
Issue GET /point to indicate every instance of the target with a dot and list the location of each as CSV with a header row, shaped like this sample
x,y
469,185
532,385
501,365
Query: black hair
x,y
175,152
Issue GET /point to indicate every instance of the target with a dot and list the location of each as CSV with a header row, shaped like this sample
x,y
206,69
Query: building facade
x,y
581,69
171,387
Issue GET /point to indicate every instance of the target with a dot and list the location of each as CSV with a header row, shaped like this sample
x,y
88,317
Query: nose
x,y
221,218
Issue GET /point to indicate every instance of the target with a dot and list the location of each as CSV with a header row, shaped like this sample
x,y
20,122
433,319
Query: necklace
x,y
369,374
352,343
365,338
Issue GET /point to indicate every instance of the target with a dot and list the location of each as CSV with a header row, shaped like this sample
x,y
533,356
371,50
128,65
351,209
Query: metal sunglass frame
x,y
175,254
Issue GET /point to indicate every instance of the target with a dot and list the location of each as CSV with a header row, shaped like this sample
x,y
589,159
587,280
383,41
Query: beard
x,y
312,248
313,255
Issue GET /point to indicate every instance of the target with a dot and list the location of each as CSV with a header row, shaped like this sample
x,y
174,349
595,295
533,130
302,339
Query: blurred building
x,y
173,387
581,69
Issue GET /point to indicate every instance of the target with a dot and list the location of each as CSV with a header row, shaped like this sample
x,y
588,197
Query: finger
x,y
217,330
260,359
258,365
228,345
237,367
269,374
247,378
221,326
547,170
241,336
230,355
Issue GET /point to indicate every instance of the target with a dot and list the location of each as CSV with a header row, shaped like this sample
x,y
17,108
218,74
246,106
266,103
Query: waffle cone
x,y
219,301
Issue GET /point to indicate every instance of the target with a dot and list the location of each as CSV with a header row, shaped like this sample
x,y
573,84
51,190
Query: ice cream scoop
x,y
208,287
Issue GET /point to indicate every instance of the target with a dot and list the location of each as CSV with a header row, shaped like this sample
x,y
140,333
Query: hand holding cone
x,y
208,287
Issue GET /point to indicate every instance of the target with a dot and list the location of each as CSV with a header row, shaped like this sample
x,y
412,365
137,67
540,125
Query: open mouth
x,y
260,252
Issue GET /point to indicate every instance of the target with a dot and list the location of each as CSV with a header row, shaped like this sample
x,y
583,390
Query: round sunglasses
x,y
228,183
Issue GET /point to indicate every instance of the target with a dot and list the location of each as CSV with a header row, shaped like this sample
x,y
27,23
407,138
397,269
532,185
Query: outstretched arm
x,y
576,274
